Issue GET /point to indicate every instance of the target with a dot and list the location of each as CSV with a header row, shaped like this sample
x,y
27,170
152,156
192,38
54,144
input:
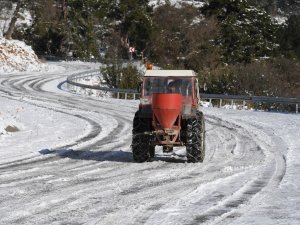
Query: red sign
x,y
131,49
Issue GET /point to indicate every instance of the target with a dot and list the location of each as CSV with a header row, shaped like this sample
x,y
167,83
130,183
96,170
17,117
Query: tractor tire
x,y
195,146
142,150
139,124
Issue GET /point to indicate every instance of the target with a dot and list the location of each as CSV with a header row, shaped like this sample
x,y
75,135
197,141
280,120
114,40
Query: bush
x,y
273,77
117,76
130,77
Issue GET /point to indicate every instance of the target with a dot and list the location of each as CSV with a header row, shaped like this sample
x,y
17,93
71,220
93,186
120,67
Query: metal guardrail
x,y
255,99
74,80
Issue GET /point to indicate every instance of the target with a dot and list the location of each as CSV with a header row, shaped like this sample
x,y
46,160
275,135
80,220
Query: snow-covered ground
x,y
16,56
70,162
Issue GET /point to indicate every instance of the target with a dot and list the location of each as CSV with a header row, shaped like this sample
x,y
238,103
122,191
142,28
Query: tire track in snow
x,y
99,183
55,158
95,131
270,177
82,140
226,208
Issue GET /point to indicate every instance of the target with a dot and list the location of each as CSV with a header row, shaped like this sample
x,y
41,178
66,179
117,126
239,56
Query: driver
x,y
174,86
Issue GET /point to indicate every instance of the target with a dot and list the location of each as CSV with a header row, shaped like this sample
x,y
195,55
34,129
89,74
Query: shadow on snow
x,y
113,156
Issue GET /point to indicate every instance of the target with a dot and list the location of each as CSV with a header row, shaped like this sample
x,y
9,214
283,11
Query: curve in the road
x,y
93,179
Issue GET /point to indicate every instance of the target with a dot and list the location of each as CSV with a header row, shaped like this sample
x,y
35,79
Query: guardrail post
x,y
125,96
244,104
118,95
210,102
134,96
221,103
297,108
232,103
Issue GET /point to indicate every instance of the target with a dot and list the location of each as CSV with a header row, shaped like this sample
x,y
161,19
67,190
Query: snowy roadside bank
x,y
16,56
38,128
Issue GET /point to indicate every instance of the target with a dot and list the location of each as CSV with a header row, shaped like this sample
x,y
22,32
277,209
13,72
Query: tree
x,y
182,38
132,19
67,28
118,76
290,37
46,32
5,7
112,73
247,33
130,77
12,24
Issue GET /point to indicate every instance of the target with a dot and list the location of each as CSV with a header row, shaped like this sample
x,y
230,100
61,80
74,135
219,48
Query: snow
x,y
177,3
17,56
71,163
7,119
34,129
279,203
281,20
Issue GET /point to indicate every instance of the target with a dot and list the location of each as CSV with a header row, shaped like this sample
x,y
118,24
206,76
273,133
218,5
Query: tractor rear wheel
x,y
142,149
195,146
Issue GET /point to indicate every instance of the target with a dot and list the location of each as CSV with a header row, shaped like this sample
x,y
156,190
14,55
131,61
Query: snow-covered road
x,y
71,163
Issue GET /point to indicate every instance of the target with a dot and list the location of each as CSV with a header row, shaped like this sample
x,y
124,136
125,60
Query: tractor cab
x,y
183,82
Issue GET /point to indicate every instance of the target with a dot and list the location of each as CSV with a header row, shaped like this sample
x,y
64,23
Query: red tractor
x,y
168,115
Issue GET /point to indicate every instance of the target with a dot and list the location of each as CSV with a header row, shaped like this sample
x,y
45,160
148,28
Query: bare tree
x,y
13,20
5,8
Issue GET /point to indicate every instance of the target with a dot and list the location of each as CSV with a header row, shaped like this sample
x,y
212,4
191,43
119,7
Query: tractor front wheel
x,y
195,145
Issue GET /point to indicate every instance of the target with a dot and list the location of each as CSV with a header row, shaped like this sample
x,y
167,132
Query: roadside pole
x,y
131,51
